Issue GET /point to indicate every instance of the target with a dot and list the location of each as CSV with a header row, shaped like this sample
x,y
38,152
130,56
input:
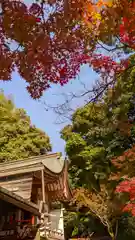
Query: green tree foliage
x,y
81,224
126,228
100,132
80,147
18,137
91,141
102,206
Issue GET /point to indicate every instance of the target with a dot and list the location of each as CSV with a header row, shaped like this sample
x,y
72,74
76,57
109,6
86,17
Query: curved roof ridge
x,y
30,158
53,163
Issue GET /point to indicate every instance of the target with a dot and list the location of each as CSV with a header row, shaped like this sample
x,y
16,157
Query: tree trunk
x,y
111,233
116,229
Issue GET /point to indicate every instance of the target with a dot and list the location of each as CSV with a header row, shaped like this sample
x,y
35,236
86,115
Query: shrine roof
x,y
18,201
54,167
52,163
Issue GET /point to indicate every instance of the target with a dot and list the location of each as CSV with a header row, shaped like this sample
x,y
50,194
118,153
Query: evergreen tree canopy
x,y
18,137
101,131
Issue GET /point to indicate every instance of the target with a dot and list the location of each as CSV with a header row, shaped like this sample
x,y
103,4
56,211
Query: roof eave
x,y
18,201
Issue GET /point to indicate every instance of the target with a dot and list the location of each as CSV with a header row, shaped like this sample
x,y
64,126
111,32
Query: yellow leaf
x,y
110,3
97,16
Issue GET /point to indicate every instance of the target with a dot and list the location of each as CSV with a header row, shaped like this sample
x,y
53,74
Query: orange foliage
x,y
128,186
123,160
125,165
51,45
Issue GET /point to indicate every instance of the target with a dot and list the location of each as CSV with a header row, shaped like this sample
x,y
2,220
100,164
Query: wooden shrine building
x,y
30,190
14,226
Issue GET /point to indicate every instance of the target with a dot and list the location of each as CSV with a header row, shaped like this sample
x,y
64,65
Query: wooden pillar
x,y
43,186
18,219
37,237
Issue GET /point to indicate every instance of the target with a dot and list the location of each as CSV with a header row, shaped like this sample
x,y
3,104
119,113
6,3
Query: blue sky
x,y
43,119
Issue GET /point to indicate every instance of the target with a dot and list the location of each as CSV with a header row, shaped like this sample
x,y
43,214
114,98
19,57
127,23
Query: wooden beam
x,y
20,171
20,204
43,186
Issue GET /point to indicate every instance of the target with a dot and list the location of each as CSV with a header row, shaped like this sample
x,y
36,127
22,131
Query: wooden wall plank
x,y
21,186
